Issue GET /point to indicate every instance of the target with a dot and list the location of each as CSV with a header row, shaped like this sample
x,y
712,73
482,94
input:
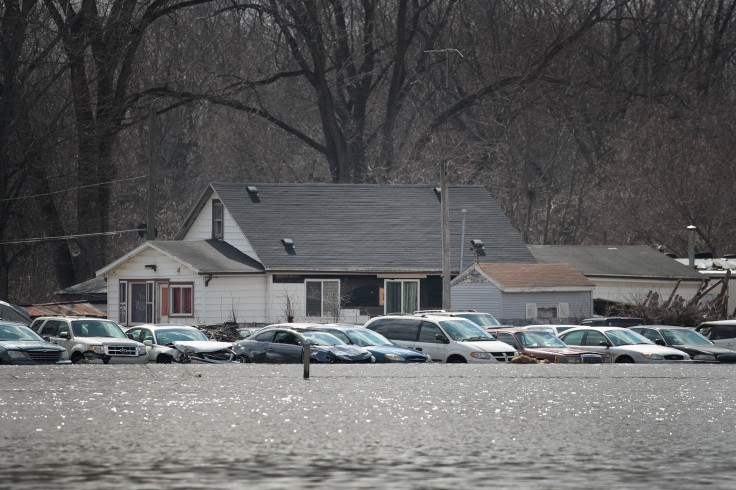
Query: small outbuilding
x,y
524,293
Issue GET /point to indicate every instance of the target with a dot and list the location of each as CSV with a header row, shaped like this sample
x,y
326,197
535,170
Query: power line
x,y
65,237
72,189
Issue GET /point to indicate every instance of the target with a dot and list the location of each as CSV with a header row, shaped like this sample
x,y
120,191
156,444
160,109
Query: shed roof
x,y
535,275
356,227
623,261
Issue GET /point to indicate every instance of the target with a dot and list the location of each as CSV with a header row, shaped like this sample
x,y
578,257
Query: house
x,y
272,252
624,273
525,293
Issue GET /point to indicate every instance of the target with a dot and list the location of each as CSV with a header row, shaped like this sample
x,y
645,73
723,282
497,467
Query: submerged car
x,y
181,344
21,345
92,340
382,349
622,345
546,346
698,347
555,330
285,344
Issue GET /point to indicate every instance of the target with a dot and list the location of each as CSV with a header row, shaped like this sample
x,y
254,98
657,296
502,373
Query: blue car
x,y
382,349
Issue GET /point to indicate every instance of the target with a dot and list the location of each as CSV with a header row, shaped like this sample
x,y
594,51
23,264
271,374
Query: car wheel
x,y
76,357
624,360
163,359
242,358
456,360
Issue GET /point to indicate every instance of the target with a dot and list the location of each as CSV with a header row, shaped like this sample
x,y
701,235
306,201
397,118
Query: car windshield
x,y
540,339
321,338
367,337
481,319
18,333
171,335
626,337
247,332
462,330
685,337
97,328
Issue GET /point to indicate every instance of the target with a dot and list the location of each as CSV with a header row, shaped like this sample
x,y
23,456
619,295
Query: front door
x,y
162,303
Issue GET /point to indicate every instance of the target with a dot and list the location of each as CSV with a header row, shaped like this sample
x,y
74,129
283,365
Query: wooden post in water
x,y
306,357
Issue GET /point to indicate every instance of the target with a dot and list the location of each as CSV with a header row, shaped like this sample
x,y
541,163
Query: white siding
x,y
134,269
228,298
242,297
283,293
201,229
628,291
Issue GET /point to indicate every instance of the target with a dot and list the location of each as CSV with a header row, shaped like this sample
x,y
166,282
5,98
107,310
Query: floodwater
x,y
368,426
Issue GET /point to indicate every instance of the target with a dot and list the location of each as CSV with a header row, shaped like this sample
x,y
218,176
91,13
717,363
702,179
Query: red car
x,y
544,345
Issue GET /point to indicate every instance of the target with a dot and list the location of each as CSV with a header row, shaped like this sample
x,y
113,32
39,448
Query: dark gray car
x,y
696,345
280,345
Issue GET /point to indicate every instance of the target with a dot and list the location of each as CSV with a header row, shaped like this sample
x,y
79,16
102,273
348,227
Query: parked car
x,y
721,332
181,344
284,344
622,345
91,339
546,346
444,338
382,349
555,330
613,321
699,348
21,345
485,320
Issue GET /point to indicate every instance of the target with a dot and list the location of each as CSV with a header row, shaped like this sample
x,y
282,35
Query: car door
x,y
724,336
428,342
286,348
595,341
256,347
59,333
507,338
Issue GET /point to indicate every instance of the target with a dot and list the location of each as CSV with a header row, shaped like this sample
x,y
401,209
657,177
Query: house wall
x,y
201,229
242,297
632,290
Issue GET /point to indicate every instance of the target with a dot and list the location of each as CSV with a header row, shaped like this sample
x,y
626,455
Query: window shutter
x,y
531,310
563,310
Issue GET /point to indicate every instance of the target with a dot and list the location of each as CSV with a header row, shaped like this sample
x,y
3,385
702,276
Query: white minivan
x,y
444,338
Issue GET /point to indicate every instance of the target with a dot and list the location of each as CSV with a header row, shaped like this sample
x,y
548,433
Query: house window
x,y
217,219
181,299
323,298
402,296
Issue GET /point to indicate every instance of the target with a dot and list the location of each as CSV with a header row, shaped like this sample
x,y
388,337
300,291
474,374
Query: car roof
x,y
719,322
161,326
596,327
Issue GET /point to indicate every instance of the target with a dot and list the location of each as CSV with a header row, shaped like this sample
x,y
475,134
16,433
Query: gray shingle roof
x,y
615,260
366,228
210,256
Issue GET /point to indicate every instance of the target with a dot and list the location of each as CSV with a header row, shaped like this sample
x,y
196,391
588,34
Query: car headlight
x,y
16,354
429,358
704,357
654,357
97,349
141,350
480,355
394,357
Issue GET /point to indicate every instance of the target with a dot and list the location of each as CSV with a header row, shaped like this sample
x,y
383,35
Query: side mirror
x,y
659,342
442,338
604,343
148,343
64,335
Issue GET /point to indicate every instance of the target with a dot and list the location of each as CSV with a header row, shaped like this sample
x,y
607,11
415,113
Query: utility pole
x,y
152,155
444,193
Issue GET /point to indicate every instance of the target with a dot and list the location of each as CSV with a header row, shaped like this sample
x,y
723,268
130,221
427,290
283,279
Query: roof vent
x,y
438,191
287,242
252,190
477,244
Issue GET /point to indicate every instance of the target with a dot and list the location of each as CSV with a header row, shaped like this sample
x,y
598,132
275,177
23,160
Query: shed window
x,y
323,298
402,296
